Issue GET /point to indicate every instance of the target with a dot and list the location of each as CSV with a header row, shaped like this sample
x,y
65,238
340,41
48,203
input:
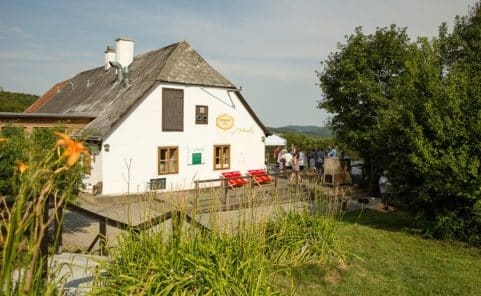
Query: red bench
x,y
260,176
234,179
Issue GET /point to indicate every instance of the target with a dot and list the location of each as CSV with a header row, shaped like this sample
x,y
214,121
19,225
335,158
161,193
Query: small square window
x,y
201,114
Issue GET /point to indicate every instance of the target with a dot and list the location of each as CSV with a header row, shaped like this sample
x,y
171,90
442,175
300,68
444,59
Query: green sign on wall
x,y
196,158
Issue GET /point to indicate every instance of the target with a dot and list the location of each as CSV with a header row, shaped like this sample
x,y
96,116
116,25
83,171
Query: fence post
x,y
196,195
176,220
226,187
103,238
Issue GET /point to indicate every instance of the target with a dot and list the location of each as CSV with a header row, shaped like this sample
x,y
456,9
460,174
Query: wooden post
x,y
226,188
103,238
196,195
176,227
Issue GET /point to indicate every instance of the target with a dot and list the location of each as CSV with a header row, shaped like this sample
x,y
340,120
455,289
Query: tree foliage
x,y
15,102
414,108
22,147
359,81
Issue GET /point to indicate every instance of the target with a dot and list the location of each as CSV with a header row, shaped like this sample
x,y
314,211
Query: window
x,y
201,114
156,184
221,157
168,160
172,110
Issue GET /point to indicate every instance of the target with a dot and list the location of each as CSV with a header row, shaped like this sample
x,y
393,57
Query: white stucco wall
x,y
134,142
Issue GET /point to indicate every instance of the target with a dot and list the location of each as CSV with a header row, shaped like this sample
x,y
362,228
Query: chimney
x,y
124,51
109,57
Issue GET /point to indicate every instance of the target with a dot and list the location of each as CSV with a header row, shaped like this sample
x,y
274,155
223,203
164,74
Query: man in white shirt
x,y
332,153
302,159
288,159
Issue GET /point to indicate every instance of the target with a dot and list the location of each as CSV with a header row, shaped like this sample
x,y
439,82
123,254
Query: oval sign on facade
x,y
224,121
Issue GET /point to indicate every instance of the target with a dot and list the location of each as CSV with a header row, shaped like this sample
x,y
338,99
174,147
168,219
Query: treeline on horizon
x,y
309,130
15,102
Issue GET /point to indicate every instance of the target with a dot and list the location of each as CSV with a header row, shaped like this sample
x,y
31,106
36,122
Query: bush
x,y
29,147
452,226
38,175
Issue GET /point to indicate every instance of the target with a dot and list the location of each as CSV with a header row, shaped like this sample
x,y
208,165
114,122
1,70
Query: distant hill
x,y
310,130
15,102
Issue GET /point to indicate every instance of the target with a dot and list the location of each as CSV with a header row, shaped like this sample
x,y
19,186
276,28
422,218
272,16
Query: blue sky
x,y
270,48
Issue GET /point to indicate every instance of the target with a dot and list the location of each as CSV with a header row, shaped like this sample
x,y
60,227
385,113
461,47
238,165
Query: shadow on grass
x,y
392,221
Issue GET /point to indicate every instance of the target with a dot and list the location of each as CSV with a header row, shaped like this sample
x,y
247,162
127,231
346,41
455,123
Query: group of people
x,y
295,159
292,160
317,157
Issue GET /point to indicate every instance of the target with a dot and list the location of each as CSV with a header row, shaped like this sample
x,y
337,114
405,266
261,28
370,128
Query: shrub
x,y
38,178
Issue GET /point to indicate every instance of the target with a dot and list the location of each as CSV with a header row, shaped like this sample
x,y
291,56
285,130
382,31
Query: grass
x,y
256,259
387,260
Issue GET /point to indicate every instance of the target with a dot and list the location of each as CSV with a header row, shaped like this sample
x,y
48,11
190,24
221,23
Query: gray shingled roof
x,y
95,90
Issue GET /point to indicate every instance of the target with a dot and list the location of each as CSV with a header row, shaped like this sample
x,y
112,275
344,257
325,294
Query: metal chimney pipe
x,y
126,74
120,73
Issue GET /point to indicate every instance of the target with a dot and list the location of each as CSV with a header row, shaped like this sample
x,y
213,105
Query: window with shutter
x,y
172,110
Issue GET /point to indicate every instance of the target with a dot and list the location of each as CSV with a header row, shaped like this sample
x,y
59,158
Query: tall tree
x,y
358,82
415,108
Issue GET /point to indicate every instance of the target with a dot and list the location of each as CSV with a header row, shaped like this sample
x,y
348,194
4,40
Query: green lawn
x,y
385,259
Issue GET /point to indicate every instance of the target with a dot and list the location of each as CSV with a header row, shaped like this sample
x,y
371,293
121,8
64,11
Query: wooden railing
x,y
101,238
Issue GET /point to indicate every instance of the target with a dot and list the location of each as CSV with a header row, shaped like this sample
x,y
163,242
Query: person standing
x,y
312,159
385,189
332,153
288,158
319,158
276,155
295,168
293,149
302,159
281,162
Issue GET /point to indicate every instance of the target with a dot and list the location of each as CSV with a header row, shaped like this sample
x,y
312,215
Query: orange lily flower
x,y
22,167
72,150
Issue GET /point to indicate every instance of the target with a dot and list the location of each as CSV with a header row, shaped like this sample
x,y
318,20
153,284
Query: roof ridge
x,y
140,55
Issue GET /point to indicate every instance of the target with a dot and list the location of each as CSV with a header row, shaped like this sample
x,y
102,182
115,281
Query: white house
x,y
159,121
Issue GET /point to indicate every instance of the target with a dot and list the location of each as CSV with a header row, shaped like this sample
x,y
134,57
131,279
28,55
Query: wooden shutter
x,y
172,110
